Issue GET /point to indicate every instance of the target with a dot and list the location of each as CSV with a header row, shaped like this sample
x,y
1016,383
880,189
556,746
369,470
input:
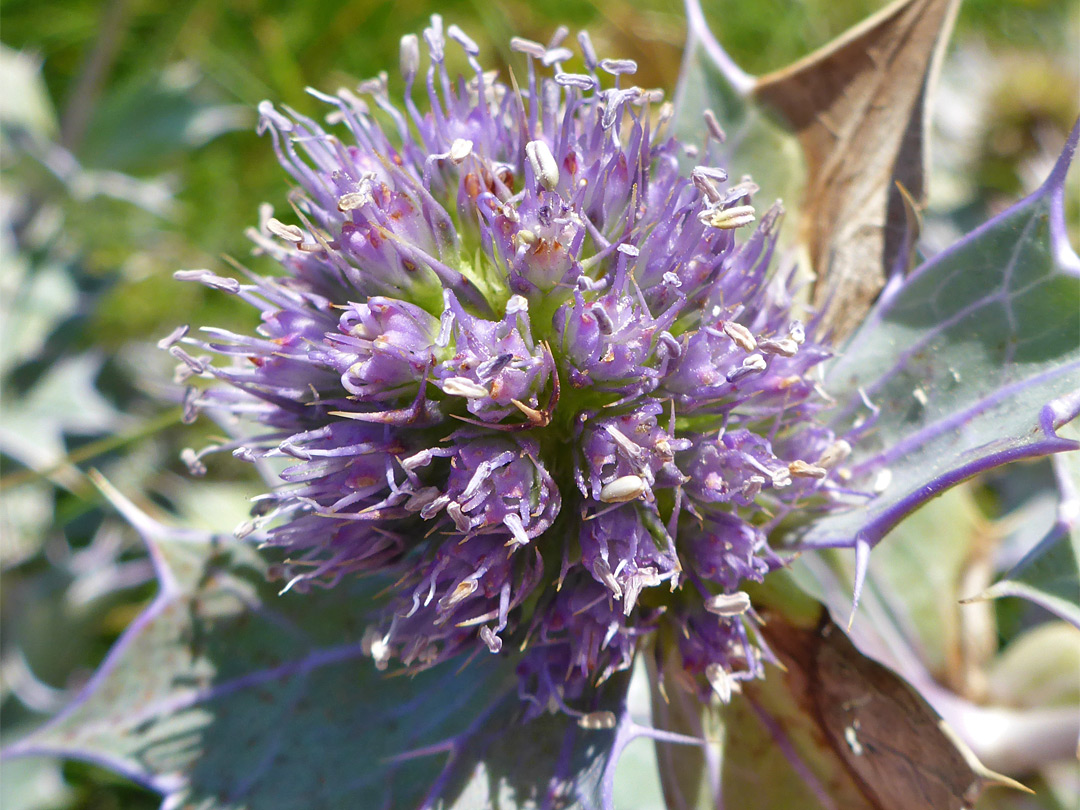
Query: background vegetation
x,y
127,151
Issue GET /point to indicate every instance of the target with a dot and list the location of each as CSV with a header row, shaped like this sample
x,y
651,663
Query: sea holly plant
x,y
536,398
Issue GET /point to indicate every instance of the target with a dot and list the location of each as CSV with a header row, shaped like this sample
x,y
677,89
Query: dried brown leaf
x,y
858,107
892,744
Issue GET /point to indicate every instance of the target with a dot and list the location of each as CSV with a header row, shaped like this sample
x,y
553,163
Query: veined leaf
x,y
1049,574
551,761
971,362
217,700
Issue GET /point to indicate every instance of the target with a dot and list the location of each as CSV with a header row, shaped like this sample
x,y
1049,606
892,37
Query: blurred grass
x,y
165,93
240,53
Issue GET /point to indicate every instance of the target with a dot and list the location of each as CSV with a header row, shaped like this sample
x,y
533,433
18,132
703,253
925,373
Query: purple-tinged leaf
x,y
971,362
216,699
552,761
1049,574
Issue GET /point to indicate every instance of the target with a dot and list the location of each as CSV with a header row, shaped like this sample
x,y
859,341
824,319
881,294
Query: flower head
x,y
523,363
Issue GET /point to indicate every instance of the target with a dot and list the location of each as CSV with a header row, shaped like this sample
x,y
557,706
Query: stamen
x,y
578,80
729,604
410,57
728,218
800,469
836,452
624,489
602,571
784,346
617,67
740,336
714,126
720,681
543,164
528,47
464,387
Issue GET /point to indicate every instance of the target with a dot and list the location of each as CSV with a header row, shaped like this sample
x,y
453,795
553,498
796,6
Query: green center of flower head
x,y
523,366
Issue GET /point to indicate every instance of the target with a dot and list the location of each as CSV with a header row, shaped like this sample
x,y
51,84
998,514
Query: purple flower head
x,y
525,366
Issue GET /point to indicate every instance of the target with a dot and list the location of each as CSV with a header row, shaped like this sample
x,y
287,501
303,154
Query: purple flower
x,y
523,364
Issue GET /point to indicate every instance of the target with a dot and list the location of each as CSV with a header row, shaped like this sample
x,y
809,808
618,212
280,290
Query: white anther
x,y
671,279
628,250
489,368
834,454
410,56
800,469
785,347
352,201
421,498
745,188
212,280
630,449
705,179
517,529
269,116
740,336
797,332
555,55
714,126
754,362
192,462
174,337
459,150
753,486
493,642
433,36
706,187
882,481
527,46
920,396
780,477
585,283
729,604
464,590
728,218
594,721
578,80
602,571
461,521
603,319
464,387
587,50
516,305
617,67
463,39
750,365
720,681
377,646
524,237
543,164
290,233
621,490
558,37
